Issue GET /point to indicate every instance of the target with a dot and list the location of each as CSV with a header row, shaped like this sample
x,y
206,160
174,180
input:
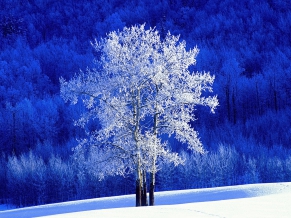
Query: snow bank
x,y
255,200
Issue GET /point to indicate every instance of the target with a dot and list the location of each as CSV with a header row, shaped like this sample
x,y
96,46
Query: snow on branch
x,y
143,89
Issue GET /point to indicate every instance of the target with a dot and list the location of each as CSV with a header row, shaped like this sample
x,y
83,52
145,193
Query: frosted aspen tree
x,y
140,90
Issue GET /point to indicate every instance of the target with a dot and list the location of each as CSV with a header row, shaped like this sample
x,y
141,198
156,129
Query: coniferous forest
x,y
245,44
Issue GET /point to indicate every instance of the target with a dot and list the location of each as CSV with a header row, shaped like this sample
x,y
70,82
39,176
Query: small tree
x,y
10,25
140,90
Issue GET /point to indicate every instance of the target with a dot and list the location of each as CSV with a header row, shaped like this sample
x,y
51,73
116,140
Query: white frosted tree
x,y
140,90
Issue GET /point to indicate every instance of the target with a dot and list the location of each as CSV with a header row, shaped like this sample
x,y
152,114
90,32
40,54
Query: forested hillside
x,y
245,44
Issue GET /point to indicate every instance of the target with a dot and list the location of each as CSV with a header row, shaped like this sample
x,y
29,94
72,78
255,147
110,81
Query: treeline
x,y
245,44
31,179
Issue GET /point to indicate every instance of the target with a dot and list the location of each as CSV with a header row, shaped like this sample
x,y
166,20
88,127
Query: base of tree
x,y
138,193
151,195
144,200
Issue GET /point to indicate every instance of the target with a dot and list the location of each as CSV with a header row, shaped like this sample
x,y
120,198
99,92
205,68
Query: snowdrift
x,y
254,200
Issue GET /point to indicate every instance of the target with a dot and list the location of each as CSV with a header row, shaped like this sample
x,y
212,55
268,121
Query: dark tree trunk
x,y
234,108
138,193
258,100
275,101
144,191
152,189
227,103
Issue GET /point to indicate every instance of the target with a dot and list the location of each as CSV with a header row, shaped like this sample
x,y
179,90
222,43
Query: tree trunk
x,y
275,101
234,108
138,193
227,103
144,191
152,189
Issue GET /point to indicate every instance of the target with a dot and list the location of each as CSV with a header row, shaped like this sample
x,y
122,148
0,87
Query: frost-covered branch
x,y
143,89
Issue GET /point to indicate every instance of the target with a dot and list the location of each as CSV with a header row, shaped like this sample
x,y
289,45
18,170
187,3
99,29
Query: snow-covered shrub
x,y
250,173
60,180
26,180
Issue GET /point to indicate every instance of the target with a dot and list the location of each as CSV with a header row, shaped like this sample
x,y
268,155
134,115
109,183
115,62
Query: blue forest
x,y
246,44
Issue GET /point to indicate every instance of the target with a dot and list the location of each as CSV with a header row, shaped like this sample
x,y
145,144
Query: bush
x,y
26,177
61,182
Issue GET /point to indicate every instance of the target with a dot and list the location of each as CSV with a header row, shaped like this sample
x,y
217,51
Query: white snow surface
x,y
243,201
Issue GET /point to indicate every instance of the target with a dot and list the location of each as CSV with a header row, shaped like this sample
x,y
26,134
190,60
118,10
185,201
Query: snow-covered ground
x,y
246,201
